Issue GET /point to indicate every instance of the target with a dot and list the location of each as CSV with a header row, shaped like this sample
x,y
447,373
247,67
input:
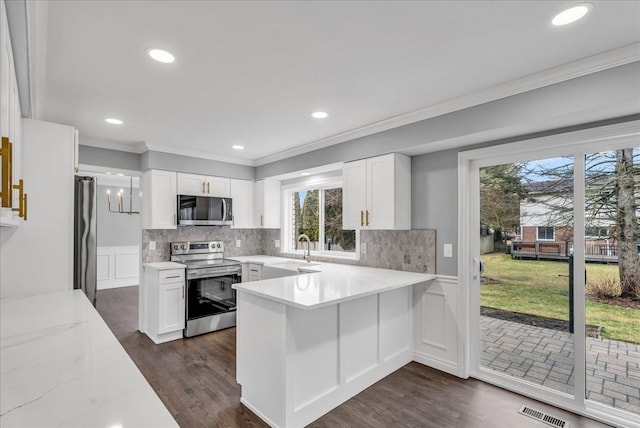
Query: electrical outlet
x,y
152,245
277,242
448,250
238,243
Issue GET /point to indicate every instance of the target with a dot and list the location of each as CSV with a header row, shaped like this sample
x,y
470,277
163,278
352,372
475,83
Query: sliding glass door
x,y
550,243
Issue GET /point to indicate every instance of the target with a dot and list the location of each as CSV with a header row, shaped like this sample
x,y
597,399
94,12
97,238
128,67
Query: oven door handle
x,y
205,273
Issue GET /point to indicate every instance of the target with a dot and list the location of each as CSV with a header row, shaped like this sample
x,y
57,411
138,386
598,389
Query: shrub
x,y
604,286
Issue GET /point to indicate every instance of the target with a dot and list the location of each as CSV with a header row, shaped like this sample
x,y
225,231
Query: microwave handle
x,y
224,209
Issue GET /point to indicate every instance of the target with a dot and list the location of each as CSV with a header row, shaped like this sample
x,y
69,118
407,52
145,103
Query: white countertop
x,y
164,265
331,284
60,365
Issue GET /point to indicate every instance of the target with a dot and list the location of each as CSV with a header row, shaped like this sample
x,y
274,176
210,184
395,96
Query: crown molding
x,y
137,147
199,154
582,67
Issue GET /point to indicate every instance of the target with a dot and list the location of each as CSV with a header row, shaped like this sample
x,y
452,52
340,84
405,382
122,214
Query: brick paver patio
x,y
545,357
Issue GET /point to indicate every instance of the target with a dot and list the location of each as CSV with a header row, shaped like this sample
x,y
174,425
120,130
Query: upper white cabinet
x,y
202,185
242,192
377,193
159,199
267,204
10,124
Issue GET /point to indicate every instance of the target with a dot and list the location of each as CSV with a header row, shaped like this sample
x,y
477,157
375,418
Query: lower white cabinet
x,y
255,272
165,301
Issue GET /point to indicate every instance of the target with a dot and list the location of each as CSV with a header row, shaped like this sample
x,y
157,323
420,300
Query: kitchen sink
x,y
278,270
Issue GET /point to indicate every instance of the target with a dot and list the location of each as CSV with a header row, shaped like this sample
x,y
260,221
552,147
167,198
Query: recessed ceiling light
x,y
161,55
237,147
108,173
120,174
571,14
305,173
319,114
113,121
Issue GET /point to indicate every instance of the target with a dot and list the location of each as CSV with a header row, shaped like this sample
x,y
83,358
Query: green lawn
x,y
535,287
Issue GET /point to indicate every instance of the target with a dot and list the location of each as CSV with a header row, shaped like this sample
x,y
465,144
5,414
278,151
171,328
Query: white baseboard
x,y
436,363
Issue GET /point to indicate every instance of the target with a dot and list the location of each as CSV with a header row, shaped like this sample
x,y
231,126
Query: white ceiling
x,y
251,73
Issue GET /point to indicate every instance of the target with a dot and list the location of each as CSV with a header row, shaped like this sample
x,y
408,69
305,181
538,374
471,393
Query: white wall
x,y
36,257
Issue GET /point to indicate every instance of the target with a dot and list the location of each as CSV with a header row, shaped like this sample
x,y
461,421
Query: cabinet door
x,y
171,310
218,186
380,192
354,194
190,184
259,203
242,198
271,204
159,200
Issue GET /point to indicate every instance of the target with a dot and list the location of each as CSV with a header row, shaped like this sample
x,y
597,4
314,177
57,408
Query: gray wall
x,y
170,162
117,229
97,156
434,202
607,94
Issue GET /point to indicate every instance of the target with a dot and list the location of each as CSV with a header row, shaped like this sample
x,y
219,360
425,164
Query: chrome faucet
x,y
308,256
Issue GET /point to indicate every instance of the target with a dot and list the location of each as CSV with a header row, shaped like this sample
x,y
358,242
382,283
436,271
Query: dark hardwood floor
x,y
195,379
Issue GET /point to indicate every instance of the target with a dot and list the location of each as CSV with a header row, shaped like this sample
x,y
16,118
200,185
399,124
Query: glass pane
x,y
335,238
305,218
612,247
526,234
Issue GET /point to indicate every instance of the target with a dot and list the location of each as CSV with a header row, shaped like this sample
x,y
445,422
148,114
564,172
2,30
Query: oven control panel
x,y
205,247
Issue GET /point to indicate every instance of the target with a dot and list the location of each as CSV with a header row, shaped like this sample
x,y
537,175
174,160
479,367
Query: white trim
x,y
436,363
134,147
553,228
199,154
582,67
576,143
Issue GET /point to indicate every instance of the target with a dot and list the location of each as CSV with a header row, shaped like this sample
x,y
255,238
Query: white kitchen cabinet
x,y
203,185
255,272
377,193
165,301
10,116
242,192
159,199
267,204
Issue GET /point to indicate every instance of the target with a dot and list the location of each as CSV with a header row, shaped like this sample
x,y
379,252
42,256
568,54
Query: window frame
x,y
553,233
286,235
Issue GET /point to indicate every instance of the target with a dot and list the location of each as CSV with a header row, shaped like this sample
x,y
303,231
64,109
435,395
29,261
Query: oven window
x,y
211,296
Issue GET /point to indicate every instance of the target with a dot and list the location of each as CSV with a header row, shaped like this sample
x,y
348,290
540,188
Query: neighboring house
x,y
545,230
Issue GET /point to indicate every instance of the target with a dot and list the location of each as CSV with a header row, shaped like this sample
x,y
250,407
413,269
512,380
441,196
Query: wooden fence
x,y
550,250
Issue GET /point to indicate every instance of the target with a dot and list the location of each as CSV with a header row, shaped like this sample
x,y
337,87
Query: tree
x,y
346,239
501,190
612,197
310,215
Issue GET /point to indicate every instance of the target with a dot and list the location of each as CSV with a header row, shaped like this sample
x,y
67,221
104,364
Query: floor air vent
x,y
543,417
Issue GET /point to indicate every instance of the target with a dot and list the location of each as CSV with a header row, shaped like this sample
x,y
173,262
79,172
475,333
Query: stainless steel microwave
x,y
204,211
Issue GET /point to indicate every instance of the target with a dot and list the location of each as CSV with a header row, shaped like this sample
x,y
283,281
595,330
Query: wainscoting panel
x,y
118,266
435,339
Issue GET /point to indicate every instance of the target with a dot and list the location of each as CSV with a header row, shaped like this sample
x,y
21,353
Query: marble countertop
x,y
329,283
164,265
60,365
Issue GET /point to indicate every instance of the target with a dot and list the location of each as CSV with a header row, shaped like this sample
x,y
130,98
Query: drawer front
x,y
255,272
170,276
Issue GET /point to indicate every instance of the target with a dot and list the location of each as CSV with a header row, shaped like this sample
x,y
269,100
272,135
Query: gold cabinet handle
x,y
22,197
203,187
183,291
367,218
361,218
172,276
261,220
6,191
208,187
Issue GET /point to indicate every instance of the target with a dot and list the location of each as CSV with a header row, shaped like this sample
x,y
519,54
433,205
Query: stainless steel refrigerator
x,y
84,237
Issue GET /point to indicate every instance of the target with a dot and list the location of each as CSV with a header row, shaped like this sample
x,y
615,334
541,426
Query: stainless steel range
x,y
211,302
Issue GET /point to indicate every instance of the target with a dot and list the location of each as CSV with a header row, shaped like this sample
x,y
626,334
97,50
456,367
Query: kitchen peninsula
x,y
310,341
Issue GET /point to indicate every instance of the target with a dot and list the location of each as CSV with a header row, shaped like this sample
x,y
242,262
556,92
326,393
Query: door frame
x,y
576,143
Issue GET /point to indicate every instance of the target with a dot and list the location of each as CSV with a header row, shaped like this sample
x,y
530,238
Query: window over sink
x,y
316,211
